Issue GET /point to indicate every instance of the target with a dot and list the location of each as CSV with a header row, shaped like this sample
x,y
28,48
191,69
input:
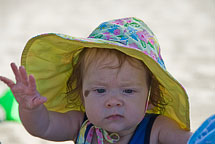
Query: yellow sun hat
x,y
49,58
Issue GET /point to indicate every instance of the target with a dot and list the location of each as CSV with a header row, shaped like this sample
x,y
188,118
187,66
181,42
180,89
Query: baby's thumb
x,y
39,100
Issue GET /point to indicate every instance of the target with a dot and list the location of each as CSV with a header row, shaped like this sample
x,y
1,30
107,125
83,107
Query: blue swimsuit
x,y
141,135
143,130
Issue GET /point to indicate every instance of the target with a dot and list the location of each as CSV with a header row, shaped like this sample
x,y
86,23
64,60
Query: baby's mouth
x,y
115,117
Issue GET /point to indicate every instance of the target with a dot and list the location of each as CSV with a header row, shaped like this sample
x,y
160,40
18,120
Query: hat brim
x,y
48,58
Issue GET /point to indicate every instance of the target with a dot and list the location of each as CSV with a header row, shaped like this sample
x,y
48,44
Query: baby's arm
x,y
167,131
37,120
51,125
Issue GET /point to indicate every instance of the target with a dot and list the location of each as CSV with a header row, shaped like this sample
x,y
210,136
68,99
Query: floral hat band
x,y
132,33
48,57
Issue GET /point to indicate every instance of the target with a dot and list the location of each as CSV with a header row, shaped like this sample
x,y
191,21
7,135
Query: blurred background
x,y
185,30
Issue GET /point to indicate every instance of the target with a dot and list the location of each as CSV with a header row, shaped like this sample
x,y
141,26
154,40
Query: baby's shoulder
x,y
76,116
76,119
166,130
163,121
156,128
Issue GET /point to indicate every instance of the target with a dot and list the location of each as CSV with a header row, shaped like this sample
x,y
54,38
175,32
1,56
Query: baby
x,y
111,87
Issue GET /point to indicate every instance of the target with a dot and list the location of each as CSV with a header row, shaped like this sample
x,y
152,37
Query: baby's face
x,y
115,98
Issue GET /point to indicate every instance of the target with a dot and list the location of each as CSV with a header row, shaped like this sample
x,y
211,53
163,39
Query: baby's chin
x,y
116,124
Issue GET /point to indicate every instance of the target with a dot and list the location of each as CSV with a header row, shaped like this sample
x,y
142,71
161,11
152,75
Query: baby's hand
x,y
24,90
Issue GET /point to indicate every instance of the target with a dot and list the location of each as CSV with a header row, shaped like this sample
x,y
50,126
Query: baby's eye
x,y
100,90
128,91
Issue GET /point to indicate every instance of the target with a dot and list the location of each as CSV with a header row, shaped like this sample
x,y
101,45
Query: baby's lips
x,y
114,117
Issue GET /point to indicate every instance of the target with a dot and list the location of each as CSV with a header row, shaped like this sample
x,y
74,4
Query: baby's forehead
x,y
109,57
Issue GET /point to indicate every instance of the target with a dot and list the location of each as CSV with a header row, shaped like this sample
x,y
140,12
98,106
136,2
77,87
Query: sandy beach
x,y
185,30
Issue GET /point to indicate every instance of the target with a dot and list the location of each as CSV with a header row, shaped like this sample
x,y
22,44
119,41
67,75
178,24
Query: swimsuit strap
x,y
100,133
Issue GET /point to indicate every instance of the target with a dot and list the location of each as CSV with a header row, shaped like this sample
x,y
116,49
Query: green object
x,y
9,107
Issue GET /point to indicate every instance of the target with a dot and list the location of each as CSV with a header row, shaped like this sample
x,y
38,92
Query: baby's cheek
x,y
137,114
93,112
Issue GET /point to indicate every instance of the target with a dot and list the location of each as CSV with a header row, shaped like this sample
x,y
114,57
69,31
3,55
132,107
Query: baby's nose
x,y
113,102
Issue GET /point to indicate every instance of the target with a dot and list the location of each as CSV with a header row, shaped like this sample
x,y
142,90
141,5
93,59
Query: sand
x,y
185,30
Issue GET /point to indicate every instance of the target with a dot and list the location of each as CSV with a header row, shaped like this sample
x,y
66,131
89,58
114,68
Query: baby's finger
x,y
16,72
7,81
39,100
24,76
32,82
